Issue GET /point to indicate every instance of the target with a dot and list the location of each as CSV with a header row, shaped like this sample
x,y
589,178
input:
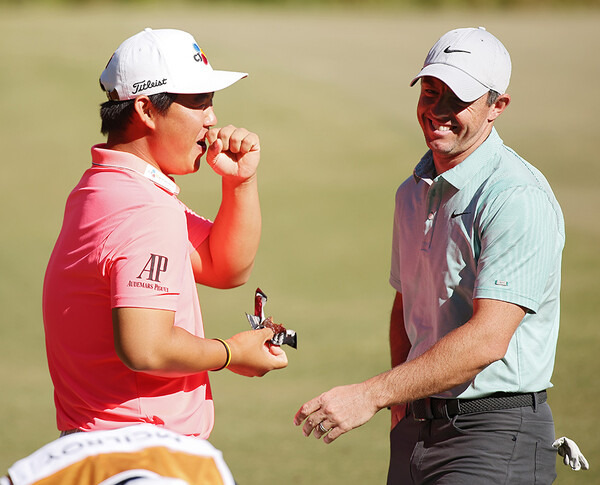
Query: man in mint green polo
x,y
476,264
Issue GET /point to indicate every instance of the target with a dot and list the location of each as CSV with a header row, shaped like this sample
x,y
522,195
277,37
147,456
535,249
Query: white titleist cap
x,y
162,61
470,62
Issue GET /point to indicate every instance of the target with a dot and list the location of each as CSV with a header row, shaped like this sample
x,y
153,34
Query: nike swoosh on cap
x,y
448,50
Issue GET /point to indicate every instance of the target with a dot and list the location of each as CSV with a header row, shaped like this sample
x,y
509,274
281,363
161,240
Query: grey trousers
x,y
512,446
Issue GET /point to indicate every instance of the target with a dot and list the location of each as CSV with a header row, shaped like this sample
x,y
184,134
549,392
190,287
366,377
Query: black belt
x,y
435,408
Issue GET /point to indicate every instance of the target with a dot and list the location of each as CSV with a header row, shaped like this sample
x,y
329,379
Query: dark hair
x,y
492,97
115,115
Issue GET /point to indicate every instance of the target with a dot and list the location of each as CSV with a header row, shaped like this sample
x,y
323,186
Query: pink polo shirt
x,y
125,242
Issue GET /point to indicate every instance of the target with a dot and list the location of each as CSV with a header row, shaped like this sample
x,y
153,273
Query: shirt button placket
x,y
434,203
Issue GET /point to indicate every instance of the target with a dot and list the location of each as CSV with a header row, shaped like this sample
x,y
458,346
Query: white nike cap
x,y
470,62
162,61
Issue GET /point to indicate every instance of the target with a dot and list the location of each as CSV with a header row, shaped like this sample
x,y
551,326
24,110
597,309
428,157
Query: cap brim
x,y
216,81
464,86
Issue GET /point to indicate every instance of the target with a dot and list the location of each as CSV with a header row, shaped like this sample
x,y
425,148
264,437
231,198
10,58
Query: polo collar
x,y
481,160
458,176
104,157
425,169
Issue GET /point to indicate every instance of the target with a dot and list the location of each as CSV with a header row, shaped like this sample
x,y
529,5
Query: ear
x,y
144,111
499,106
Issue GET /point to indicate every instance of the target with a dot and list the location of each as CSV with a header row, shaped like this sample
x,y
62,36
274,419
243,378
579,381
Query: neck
x,y
138,147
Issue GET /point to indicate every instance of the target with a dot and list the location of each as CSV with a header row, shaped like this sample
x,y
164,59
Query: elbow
x,y
494,352
241,276
499,355
238,280
498,347
232,279
133,364
142,338
140,361
230,283
137,366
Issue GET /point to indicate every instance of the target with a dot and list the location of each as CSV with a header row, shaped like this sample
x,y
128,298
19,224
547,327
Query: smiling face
x,y
178,141
453,129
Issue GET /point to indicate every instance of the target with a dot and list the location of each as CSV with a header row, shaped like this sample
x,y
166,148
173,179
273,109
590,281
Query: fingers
x,y
319,427
252,356
234,140
266,333
306,410
312,423
312,414
214,148
336,412
276,350
233,153
277,357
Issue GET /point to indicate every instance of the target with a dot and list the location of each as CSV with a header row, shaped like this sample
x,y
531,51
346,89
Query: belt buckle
x,y
423,405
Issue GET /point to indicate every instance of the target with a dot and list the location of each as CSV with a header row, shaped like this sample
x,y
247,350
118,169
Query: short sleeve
x,y
145,258
198,228
520,247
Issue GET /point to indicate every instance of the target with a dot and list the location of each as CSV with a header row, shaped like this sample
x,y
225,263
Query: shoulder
x,y
117,195
515,175
518,193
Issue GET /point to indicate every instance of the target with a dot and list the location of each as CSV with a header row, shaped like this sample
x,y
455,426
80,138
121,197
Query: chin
x,y
439,146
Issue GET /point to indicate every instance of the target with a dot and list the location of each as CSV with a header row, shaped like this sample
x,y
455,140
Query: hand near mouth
x,y
233,152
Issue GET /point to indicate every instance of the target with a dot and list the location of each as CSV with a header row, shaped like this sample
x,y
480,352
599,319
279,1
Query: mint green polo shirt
x,y
488,228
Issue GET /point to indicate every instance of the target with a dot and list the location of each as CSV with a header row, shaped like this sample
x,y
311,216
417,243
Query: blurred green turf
x,y
328,93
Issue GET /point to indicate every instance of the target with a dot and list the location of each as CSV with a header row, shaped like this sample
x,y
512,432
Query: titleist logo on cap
x,y
159,61
143,85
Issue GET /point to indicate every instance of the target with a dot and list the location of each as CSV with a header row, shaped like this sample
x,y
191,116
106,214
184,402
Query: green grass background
x,y
328,93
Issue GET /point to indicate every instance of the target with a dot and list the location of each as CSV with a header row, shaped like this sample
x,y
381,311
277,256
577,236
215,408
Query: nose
x,y
211,117
442,108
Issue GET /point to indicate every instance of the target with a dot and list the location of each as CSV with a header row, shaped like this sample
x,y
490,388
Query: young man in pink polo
x,y
124,333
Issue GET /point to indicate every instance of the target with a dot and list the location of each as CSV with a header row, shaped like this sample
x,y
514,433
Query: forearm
x,y
346,407
235,235
146,340
162,349
455,359
430,374
183,354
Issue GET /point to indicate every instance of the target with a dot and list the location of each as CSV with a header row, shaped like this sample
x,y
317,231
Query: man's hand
x,y
252,355
233,152
336,412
